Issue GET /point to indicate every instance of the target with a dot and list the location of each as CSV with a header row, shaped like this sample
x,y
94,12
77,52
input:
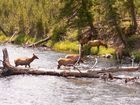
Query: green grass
x,y
102,50
3,38
66,46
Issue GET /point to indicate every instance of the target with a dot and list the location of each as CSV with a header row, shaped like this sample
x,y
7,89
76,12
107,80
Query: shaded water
x,y
50,90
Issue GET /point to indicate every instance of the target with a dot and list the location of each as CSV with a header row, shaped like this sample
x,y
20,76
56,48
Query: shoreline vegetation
x,y
67,46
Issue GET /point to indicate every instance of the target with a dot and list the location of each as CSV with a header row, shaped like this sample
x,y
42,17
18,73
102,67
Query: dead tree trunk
x,y
39,42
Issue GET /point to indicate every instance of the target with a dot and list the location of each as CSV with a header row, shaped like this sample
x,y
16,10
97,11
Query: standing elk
x,y
25,61
119,54
97,43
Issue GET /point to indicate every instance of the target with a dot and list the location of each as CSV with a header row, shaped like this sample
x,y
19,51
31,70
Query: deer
x,y
97,43
131,79
25,61
107,76
119,53
65,62
74,57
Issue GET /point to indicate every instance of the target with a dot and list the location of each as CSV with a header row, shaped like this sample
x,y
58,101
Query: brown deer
x,y
65,62
25,61
131,79
119,53
74,57
97,43
107,76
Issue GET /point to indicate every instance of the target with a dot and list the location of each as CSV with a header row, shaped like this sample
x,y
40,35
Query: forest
x,y
69,23
70,52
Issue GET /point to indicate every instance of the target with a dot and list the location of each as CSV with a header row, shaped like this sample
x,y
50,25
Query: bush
x,y
3,38
24,39
136,55
132,40
58,34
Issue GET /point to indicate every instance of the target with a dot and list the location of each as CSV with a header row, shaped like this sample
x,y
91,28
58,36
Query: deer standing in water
x,y
119,53
25,61
133,79
74,57
65,62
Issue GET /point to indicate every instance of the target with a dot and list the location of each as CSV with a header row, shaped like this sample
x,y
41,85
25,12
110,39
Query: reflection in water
x,y
50,90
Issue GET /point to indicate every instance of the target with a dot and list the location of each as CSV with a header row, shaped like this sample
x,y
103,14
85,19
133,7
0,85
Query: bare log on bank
x,y
8,70
39,42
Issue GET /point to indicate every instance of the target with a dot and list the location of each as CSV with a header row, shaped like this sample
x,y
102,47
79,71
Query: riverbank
x,y
71,46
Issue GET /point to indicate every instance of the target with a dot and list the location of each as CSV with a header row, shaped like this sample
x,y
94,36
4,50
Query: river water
x,y
51,90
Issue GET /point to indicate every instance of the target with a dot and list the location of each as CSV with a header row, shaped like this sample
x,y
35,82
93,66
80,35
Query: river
x,y
51,90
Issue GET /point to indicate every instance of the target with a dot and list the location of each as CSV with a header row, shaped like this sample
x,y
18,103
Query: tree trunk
x,y
133,15
40,42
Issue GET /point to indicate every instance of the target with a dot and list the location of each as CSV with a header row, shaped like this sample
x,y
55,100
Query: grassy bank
x,y
65,46
3,38
18,39
73,47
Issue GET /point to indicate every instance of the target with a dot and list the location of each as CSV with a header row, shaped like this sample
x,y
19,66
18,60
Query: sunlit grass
x,y
102,50
66,46
3,38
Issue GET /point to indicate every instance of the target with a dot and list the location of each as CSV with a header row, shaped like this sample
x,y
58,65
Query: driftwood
x,y
39,42
10,39
8,70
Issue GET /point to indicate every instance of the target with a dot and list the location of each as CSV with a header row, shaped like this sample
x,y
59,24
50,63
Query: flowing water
x,y
51,90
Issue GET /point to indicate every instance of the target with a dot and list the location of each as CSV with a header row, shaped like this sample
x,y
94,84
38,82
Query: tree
x,y
114,20
78,15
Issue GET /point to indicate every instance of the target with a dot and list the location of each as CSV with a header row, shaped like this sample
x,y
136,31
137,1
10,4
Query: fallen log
x,y
8,70
39,42
120,69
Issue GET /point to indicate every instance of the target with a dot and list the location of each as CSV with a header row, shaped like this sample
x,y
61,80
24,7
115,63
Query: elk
x,y
97,43
75,57
65,62
25,61
120,53
131,79
107,76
